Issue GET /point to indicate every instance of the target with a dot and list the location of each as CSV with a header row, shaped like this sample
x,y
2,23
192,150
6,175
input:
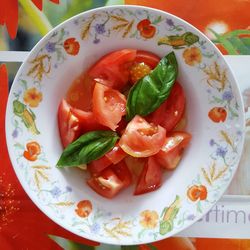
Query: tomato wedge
x,y
107,184
142,139
97,166
114,156
171,111
87,120
150,177
123,173
68,123
114,68
135,165
109,105
148,58
170,154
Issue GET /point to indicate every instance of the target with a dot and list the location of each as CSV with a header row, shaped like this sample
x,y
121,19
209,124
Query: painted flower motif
x,y
32,97
169,22
149,219
50,47
217,114
32,151
192,56
191,217
146,29
221,152
227,95
100,28
95,228
84,208
71,46
211,142
197,192
56,192
96,40
68,189
15,133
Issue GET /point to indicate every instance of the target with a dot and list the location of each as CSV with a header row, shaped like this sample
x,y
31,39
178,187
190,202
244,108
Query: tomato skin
x,y
69,126
171,111
114,68
171,153
135,165
123,173
107,184
116,154
148,58
142,139
87,120
97,166
150,177
109,105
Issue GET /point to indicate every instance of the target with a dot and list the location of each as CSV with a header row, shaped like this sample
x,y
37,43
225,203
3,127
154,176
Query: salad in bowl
x,y
125,125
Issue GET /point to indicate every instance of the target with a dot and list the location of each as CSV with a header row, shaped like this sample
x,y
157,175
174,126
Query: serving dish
x,y
209,163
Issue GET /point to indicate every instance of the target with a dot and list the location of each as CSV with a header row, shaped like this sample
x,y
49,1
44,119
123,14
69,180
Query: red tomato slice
x,y
135,165
171,111
87,120
170,154
148,58
114,68
116,154
68,123
97,166
109,106
123,173
142,139
107,184
150,178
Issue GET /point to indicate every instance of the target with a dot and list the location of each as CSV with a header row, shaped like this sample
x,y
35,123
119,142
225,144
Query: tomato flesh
x,y
171,111
148,58
68,123
150,177
107,184
142,139
114,68
97,166
116,154
87,120
123,173
109,105
171,153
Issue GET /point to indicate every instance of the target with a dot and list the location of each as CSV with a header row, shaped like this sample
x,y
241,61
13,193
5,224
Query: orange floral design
x,y
84,208
197,192
192,56
32,97
149,219
33,149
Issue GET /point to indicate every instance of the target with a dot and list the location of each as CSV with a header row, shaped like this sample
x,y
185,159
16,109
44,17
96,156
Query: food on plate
x,y
119,121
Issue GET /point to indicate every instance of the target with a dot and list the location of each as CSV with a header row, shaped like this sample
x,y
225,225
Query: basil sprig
x,y
88,147
153,89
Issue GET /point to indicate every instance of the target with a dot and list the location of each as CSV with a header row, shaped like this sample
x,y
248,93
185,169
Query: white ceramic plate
x,y
208,165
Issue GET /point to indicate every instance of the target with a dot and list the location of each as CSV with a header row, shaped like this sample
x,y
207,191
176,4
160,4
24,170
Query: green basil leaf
x,y
88,147
153,89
